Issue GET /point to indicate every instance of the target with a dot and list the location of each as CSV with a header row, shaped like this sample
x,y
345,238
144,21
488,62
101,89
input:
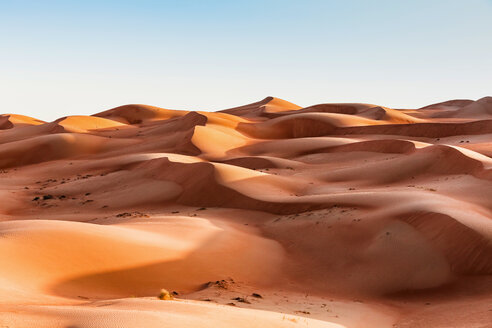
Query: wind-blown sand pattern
x,y
265,215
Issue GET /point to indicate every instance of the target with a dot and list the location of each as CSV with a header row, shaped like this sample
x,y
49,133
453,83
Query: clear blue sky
x,y
81,57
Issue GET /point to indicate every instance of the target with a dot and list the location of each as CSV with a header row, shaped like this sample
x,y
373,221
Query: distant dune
x,y
263,215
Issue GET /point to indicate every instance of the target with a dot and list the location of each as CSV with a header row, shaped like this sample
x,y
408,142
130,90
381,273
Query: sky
x,y
68,57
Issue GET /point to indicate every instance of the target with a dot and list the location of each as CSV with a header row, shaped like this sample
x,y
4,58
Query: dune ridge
x,y
267,214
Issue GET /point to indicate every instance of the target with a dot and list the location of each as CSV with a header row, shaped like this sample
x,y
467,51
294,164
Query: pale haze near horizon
x,y
63,58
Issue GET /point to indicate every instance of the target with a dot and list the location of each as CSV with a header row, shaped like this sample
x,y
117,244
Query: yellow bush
x,y
165,295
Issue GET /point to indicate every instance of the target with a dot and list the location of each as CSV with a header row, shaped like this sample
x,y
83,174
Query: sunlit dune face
x,y
279,105
18,120
88,123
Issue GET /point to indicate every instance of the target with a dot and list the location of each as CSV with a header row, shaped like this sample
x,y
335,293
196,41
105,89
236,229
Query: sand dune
x,y
136,114
8,121
85,123
264,215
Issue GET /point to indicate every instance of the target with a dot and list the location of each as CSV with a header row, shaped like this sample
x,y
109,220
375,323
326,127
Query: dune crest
x,y
263,215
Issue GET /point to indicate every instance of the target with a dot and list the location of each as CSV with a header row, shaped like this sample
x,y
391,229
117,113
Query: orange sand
x,y
264,215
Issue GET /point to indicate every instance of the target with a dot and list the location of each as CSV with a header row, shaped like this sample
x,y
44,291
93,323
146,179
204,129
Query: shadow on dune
x,y
186,275
201,188
298,127
467,251
220,256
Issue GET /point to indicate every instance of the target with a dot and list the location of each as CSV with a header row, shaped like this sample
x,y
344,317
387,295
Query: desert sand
x,y
264,215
